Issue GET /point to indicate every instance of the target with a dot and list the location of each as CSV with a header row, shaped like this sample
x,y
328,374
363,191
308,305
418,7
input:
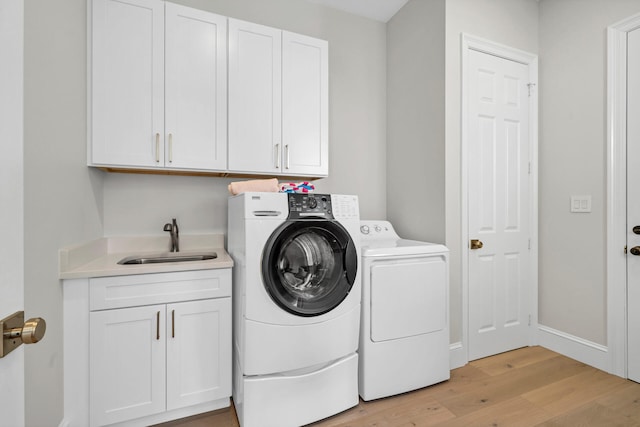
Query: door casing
x,y
468,43
616,193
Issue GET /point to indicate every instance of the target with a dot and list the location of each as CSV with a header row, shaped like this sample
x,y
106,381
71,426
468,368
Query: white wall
x,y
416,121
137,204
573,162
510,22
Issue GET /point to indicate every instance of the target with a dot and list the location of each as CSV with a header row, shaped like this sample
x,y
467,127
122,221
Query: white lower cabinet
x,y
147,363
127,361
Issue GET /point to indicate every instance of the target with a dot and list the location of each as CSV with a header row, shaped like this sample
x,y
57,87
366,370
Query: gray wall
x,y
416,120
63,198
573,60
66,202
510,22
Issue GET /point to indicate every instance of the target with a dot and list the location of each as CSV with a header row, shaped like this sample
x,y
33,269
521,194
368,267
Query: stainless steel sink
x,y
168,257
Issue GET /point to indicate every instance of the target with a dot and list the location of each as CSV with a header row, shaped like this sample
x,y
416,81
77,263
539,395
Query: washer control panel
x,y
310,206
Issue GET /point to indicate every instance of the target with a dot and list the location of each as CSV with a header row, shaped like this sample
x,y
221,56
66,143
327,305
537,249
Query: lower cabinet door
x,y
198,352
127,364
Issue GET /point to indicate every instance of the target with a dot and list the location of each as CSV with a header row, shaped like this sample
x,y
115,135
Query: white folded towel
x,y
262,185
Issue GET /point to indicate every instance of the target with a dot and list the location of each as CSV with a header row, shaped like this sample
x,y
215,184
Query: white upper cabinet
x,y
139,49
196,89
278,101
127,74
254,97
305,105
162,96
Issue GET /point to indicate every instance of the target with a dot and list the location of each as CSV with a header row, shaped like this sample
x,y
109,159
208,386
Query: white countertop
x,y
99,258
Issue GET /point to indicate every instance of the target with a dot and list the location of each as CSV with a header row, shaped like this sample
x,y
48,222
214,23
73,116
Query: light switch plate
x,y
580,204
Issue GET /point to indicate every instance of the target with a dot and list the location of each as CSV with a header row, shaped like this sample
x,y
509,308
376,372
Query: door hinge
x,y
625,249
529,244
529,168
529,320
529,85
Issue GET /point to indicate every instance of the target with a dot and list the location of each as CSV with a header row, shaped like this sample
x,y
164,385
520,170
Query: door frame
x,y
469,43
617,193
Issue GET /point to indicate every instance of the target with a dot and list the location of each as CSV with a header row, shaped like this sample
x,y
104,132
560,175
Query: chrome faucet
x,y
175,238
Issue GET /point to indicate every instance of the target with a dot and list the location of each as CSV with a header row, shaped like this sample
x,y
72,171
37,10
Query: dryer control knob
x,y
378,228
364,229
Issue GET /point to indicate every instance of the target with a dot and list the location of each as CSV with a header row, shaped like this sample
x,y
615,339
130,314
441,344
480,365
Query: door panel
x,y
127,363
633,204
198,352
498,198
12,405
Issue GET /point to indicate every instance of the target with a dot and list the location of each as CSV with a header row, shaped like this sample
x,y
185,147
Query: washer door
x,y
309,266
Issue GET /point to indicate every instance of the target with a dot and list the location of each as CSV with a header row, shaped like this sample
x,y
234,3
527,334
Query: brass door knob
x,y
15,332
635,250
33,330
476,244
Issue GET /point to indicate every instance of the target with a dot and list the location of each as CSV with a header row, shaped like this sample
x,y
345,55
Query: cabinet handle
x,y
158,326
170,148
277,155
173,323
157,148
286,151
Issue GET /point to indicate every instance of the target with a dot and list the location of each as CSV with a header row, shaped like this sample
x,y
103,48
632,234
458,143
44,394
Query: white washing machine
x,y
404,340
296,306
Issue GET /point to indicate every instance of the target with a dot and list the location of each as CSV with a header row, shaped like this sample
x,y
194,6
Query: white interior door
x,y
499,211
633,205
11,203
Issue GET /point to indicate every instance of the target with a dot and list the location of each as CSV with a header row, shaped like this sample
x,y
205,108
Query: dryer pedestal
x,y
404,340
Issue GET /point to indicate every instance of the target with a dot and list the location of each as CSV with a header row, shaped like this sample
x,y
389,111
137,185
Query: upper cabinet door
x,y
255,91
127,72
196,89
305,105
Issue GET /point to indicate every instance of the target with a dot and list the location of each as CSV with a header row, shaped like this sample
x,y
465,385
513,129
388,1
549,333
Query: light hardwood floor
x,y
526,387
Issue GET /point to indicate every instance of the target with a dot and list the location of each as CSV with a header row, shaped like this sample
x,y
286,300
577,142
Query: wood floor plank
x,y
515,412
592,415
505,386
625,401
525,388
570,393
505,362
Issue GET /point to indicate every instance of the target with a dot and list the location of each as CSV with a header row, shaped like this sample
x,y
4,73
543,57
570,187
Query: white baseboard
x,y
63,423
588,352
457,355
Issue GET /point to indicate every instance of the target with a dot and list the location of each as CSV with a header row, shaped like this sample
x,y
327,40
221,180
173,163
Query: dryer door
x,y
309,266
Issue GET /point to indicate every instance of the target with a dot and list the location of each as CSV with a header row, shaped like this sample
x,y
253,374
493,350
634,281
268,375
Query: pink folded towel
x,y
262,185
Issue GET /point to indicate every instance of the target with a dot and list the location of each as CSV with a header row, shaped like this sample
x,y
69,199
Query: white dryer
x,y
404,340
296,309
